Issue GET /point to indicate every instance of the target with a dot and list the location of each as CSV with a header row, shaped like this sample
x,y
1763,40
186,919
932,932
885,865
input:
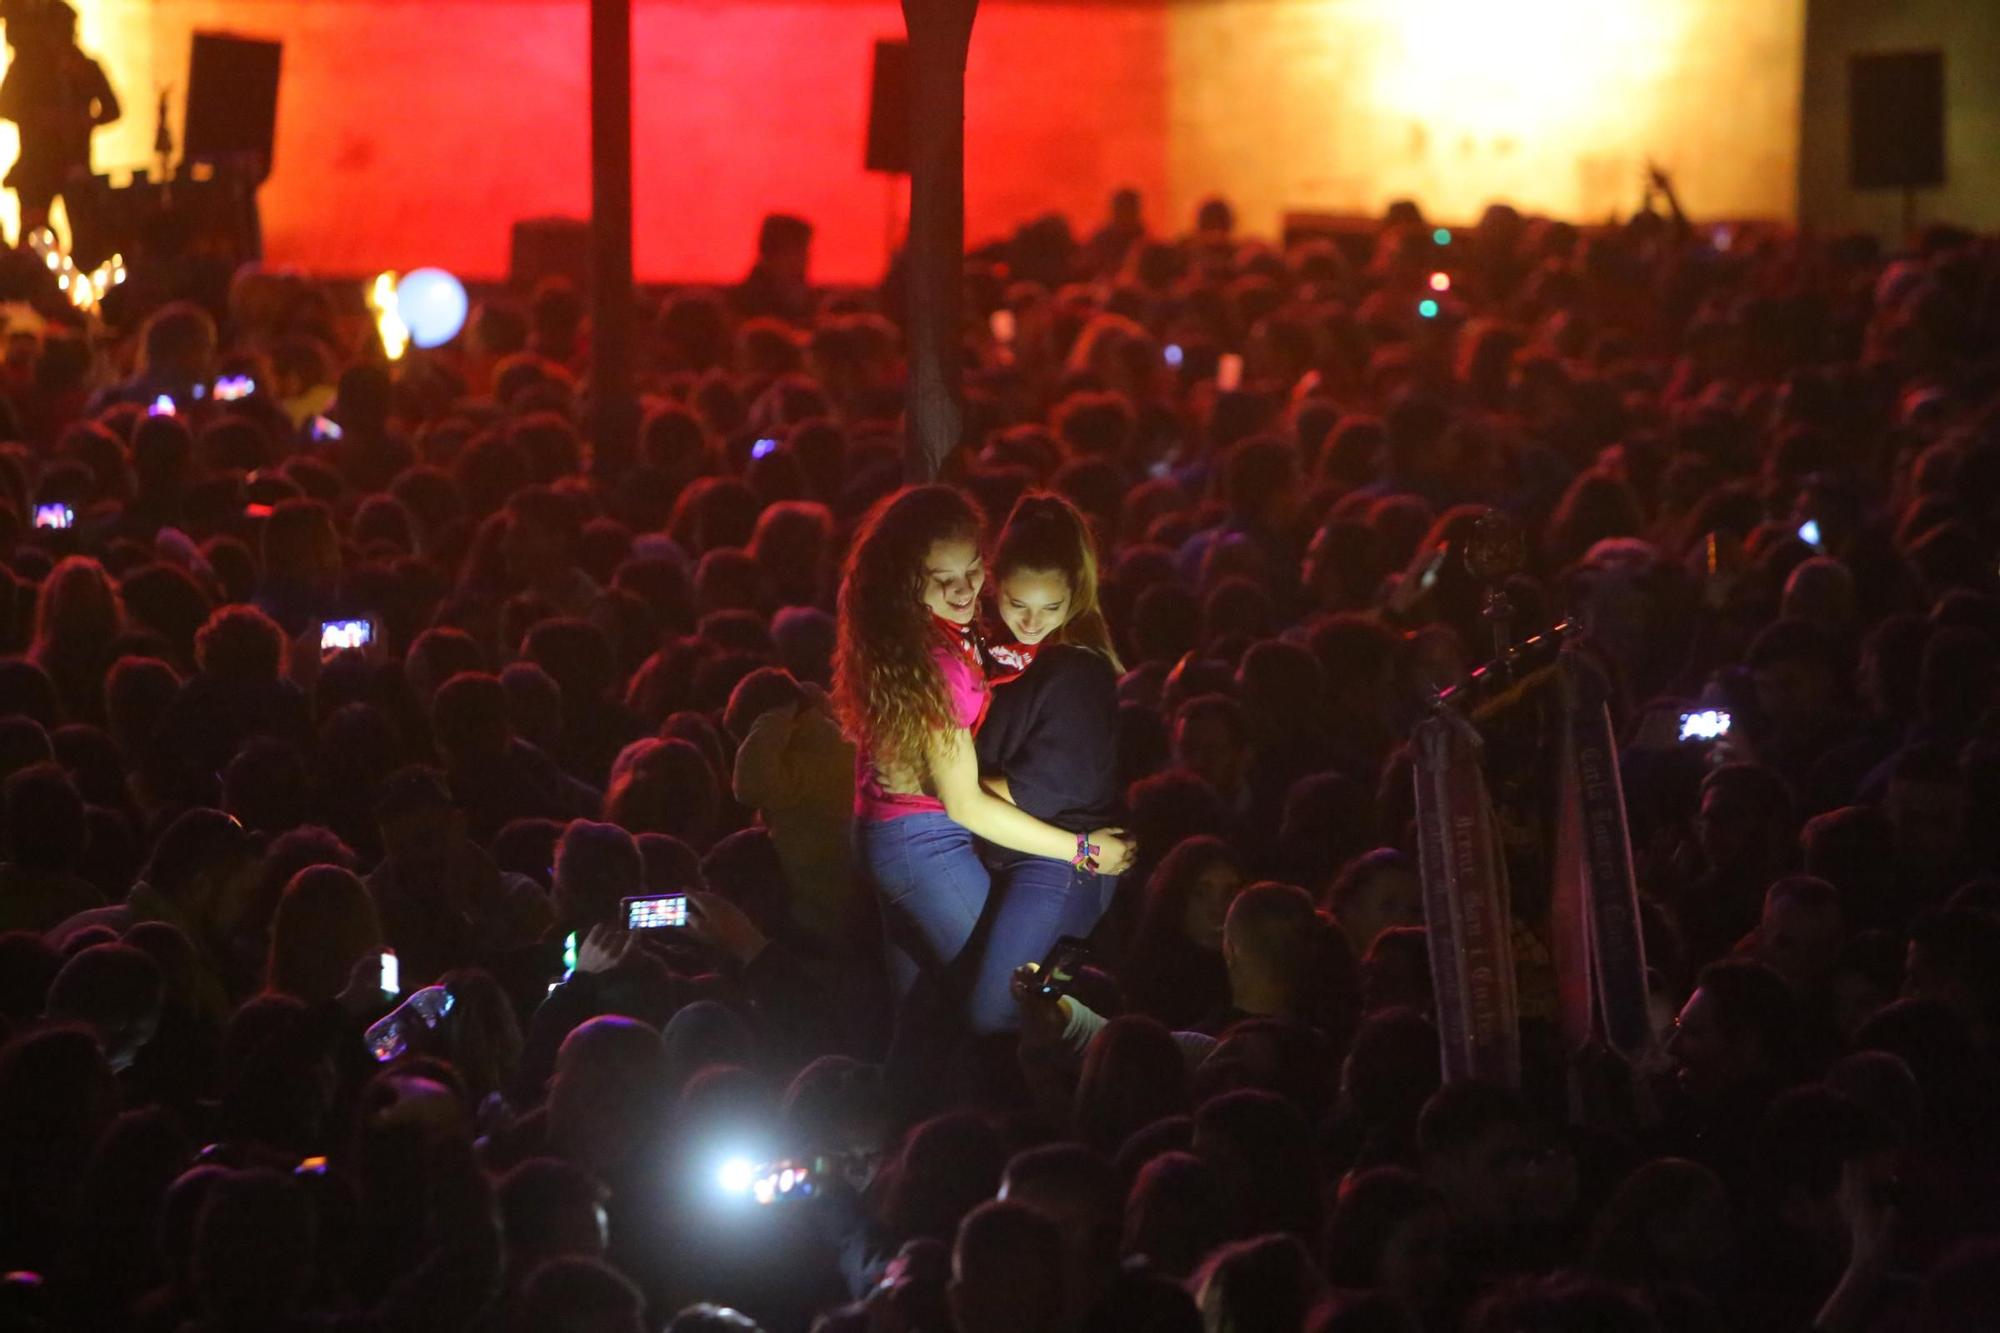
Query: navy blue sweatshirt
x,y
1053,732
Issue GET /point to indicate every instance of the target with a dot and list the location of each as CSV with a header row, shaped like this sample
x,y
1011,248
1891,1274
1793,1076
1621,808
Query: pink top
x,y
967,687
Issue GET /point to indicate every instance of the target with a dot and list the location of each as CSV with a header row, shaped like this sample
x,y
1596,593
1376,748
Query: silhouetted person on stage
x,y
56,95
778,286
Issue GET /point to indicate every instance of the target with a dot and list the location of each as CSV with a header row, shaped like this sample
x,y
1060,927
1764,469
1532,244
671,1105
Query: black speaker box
x,y
232,100
1895,120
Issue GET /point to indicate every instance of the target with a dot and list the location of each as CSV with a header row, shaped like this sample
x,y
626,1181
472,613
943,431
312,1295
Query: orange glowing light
x,y
1440,282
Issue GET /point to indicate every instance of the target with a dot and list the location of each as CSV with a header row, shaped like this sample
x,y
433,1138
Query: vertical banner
x,y
1600,953
1466,916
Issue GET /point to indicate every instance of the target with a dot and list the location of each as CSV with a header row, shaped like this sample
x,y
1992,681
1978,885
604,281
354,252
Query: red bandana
x,y
1009,659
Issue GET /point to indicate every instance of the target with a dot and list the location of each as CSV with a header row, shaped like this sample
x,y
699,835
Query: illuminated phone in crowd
x,y
325,428
784,1181
338,636
231,388
392,973
1229,372
54,516
1059,970
657,911
1709,724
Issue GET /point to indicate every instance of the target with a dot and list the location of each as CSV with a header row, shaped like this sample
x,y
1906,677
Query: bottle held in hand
x,y
423,1011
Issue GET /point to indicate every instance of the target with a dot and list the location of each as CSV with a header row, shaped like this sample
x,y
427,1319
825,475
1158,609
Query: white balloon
x,y
432,305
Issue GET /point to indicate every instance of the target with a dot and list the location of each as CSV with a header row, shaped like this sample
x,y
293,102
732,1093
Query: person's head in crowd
x,y
469,719
46,830
117,992
1388,1231
1211,738
203,861
255,1246
838,1108
1746,822
758,693
1955,685
1561,1301
177,346
1961,1293
1262,1150
1374,892
137,694
1670,1223
27,965
1007,1271
790,548
1925,804
610,1095
1883,1085
596,865
1261,1285
300,548
1133,1074
664,786
916,559
1396,972
1736,1033
543,529
1476,1142
948,1164
78,611
1853,848
267,786
1954,959
1044,576
578,1294
550,1209
1810,1137
534,704
420,826
1079,1190
1802,930
325,927
1271,940
436,655
241,646
1189,894
1175,1213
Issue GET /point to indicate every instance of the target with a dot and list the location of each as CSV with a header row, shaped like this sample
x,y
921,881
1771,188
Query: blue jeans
x,y
1036,901
932,886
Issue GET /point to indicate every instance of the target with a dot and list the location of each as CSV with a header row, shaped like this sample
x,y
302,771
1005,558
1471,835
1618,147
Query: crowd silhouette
x,y
318,1003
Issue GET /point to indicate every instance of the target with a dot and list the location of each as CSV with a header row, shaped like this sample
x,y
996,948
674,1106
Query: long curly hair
x,y
1048,534
887,688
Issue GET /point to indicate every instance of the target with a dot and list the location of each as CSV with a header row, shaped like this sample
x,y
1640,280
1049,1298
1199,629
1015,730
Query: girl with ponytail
x,y
909,689
1049,743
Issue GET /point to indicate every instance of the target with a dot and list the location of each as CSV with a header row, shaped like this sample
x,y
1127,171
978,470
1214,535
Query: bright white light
x,y
1809,533
736,1175
432,305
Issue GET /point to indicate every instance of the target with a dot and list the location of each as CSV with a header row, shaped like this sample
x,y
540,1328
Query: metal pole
x,y
940,36
614,406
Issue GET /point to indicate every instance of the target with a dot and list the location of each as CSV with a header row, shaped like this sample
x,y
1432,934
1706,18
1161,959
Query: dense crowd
x,y
1759,470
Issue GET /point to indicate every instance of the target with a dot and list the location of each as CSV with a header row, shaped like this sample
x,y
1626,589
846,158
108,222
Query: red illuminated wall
x,y
418,131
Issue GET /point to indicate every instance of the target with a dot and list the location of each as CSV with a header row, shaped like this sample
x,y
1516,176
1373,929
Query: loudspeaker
x,y
549,247
232,100
1895,120
889,109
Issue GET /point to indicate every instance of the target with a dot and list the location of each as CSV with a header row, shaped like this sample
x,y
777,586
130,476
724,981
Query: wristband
x,y
1084,851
